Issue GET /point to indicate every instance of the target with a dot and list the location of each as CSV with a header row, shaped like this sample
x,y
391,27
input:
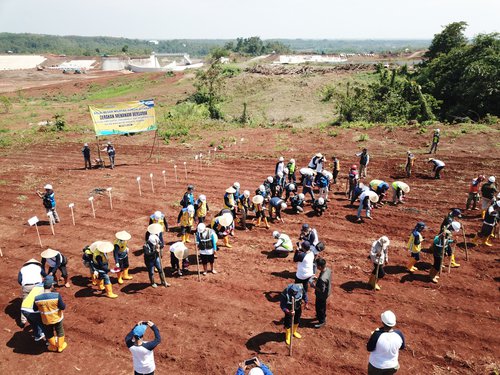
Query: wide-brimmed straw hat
x,y
372,196
231,190
258,199
180,250
32,260
123,235
49,253
404,186
225,220
155,228
106,247
94,245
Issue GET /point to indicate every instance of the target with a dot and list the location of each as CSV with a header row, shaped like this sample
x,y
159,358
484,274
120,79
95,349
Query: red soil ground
x,y
209,326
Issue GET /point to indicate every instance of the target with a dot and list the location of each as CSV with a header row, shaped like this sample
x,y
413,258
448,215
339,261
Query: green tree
x,y
451,37
209,85
125,48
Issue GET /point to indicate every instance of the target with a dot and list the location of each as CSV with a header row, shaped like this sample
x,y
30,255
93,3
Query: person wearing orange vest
x,y
474,192
51,306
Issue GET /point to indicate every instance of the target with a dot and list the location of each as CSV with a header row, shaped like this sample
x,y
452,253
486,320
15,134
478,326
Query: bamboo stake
x,y
152,183
291,327
38,233
139,184
110,198
164,178
71,205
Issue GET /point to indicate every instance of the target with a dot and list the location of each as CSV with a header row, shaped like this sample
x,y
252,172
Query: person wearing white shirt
x,y
304,258
438,166
30,274
142,351
384,345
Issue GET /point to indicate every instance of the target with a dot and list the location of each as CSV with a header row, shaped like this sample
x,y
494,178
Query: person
x,y
319,206
56,261
415,246
152,250
142,351
186,220
309,234
244,206
32,316
315,161
360,188
88,262
380,187
258,201
280,166
489,223
297,203
449,218
188,197
290,293
283,243
473,197
304,258
100,250
336,169
410,160
441,247
291,171
179,252
279,185
290,188
30,274
268,185
111,154
366,199
276,204
49,202
435,141
323,184
206,241
158,217
353,181
229,201
86,156
201,208
223,225
438,166
259,369
307,185
322,289
384,345
364,160
236,186
488,191
120,253
379,255
400,189
51,306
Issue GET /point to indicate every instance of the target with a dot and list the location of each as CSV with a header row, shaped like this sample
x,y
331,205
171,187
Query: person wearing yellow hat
x,y
258,204
179,253
223,225
186,220
101,251
120,253
49,202
56,261
229,200
30,274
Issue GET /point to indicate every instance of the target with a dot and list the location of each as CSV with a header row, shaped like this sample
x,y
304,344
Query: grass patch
x,y
363,137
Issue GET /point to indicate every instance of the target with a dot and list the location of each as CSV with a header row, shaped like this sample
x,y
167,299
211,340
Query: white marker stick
x,y
139,184
38,234
164,178
110,198
71,205
152,183
175,171
91,200
201,162
1,254
32,221
185,171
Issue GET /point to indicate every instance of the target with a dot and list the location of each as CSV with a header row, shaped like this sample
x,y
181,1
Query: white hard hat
x,y
301,196
280,174
86,144
388,318
292,160
321,201
203,198
49,186
262,188
236,185
276,234
291,186
456,226
437,130
283,205
270,179
490,179
281,158
154,239
201,227
246,193
256,371
190,208
384,240
157,215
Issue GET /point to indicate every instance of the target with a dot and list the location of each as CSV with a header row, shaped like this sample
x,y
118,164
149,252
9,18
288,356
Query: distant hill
x,y
90,46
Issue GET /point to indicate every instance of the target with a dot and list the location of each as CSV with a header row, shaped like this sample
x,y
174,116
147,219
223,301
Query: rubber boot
x,y
453,263
258,222
411,265
183,238
288,336
109,291
126,276
187,238
52,344
267,224
433,275
120,277
61,344
93,278
483,213
226,242
66,282
101,285
295,333
372,283
487,241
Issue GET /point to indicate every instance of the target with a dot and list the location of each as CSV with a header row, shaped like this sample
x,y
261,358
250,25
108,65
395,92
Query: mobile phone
x,y
250,361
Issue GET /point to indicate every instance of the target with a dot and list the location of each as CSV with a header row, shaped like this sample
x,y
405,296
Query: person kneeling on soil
x,y
283,244
319,206
379,256
293,292
384,345
380,187
259,369
206,240
142,351
297,203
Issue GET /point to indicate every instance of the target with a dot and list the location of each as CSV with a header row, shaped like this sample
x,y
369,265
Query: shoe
x,y
433,275
411,265
180,273
40,338
226,242
126,276
214,271
61,344
358,220
204,273
109,291
66,283
319,325
187,238
288,336
295,333
154,285
369,218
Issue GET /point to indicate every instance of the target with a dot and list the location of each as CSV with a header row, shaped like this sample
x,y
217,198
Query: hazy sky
x,y
223,19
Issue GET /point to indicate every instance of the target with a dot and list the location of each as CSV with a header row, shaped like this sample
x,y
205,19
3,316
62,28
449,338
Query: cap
x,y
246,193
281,158
190,187
420,225
354,166
201,227
456,212
437,130
48,282
292,160
384,240
236,185
388,318
123,235
157,215
456,226
270,179
319,155
262,188
49,253
305,226
291,187
49,186
276,234
86,144
139,330
256,371
190,208
283,205
296,290
203,198
321,201
306,245
301,196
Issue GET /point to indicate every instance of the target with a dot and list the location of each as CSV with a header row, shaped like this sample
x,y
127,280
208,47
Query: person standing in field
x,y
322,290
488,191
415,246
49,202
410,159
292,293
379,255
201,208
364,160
336,169
384,345
86,156
291,171
142,351
111,154
435,141
473,197
206,240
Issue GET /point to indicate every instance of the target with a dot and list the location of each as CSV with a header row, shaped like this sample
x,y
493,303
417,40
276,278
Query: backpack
x,y
47,203
149,250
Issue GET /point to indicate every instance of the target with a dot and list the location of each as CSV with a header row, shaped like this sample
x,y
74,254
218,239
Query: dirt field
x,y
208,327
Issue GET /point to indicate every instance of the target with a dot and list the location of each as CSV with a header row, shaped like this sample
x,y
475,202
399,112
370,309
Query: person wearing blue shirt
x,y
49,202
188,198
